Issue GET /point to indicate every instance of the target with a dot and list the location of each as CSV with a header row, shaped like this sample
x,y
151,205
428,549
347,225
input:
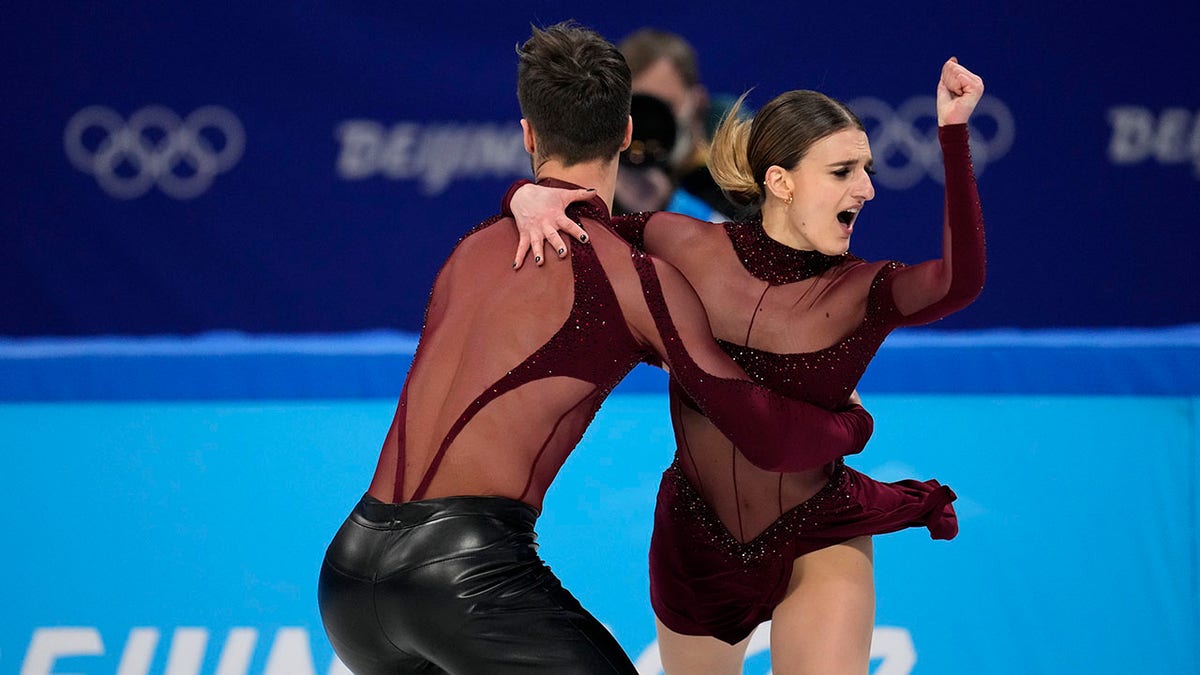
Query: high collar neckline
x,y
772,261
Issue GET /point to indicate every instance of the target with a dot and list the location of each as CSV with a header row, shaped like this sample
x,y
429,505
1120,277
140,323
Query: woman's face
x,y
831,184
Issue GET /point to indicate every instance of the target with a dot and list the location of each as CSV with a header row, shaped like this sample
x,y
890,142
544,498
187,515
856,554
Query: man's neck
x,y
600,175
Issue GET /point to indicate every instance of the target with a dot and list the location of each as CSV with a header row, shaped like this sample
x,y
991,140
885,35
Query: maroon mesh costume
x,y
436,570
515,347
728,526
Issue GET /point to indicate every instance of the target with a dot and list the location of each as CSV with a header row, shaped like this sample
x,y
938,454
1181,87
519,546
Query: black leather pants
x,y
454,585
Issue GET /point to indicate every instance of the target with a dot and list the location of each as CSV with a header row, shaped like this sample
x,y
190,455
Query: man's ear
x,y
527,135
628,134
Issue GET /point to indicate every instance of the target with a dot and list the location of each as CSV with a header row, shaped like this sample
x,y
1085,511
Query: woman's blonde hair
x,y
779,135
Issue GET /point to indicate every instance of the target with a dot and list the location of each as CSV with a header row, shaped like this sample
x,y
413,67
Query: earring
x,y
788,201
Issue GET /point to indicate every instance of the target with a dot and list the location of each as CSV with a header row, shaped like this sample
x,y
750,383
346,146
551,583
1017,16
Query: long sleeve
x,y
936,288
506,200
773,431
631,228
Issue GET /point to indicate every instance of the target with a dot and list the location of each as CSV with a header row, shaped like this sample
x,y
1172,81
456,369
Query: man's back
x,y
436,569
510,369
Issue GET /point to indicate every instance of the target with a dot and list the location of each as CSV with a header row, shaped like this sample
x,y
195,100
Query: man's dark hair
x,y
574,90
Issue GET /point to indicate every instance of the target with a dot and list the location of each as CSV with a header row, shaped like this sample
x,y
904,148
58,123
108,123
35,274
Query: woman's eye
x,y
842,173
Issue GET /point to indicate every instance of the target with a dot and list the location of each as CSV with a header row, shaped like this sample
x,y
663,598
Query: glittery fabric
x,y
728,527
772,261
631,227
707,582
826,376
511,368
567,354
771,445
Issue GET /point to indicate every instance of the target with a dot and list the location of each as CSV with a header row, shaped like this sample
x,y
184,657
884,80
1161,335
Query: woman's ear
x,y
778,182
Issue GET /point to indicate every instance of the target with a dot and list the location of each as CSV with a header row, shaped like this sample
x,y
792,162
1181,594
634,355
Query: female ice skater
x,y
737,541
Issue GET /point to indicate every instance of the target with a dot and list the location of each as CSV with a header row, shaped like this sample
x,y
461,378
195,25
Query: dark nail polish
x,y
538,259
562,251
583,238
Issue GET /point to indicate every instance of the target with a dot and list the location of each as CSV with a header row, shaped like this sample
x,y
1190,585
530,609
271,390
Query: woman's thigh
x,y
824,623
698,654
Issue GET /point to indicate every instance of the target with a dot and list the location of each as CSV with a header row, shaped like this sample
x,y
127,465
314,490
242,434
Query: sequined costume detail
x,y
728,527
756,572
498,362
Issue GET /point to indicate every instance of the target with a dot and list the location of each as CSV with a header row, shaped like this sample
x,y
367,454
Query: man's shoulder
x,y
482,241
490,227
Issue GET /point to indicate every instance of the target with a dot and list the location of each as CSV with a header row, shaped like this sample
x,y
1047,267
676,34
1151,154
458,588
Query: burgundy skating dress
x,y
727,529
510,370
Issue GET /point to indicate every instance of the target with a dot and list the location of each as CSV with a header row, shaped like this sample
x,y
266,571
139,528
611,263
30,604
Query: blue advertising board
x,y
183,534
305,167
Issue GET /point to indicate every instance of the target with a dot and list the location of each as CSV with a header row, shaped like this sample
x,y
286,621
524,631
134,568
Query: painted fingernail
x,y
583,238
591,189
514,266
562,251
538,259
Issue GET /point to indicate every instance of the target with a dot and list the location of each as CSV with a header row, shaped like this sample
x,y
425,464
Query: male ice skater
x,y
436,570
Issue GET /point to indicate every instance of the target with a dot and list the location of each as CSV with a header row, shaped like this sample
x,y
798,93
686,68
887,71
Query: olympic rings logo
x,y
905,145
154,147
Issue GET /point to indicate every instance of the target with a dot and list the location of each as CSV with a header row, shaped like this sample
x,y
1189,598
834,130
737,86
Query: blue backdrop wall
x,y
277,169
285,167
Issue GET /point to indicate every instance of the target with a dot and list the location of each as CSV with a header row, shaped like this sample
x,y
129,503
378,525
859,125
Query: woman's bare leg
x,y
824,624
698,655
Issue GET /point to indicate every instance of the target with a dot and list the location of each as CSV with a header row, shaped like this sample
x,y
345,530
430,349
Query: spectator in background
x,y
664,66
645,181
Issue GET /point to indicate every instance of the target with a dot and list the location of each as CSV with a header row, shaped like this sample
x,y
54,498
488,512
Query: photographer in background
x,y
645,181
664,66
